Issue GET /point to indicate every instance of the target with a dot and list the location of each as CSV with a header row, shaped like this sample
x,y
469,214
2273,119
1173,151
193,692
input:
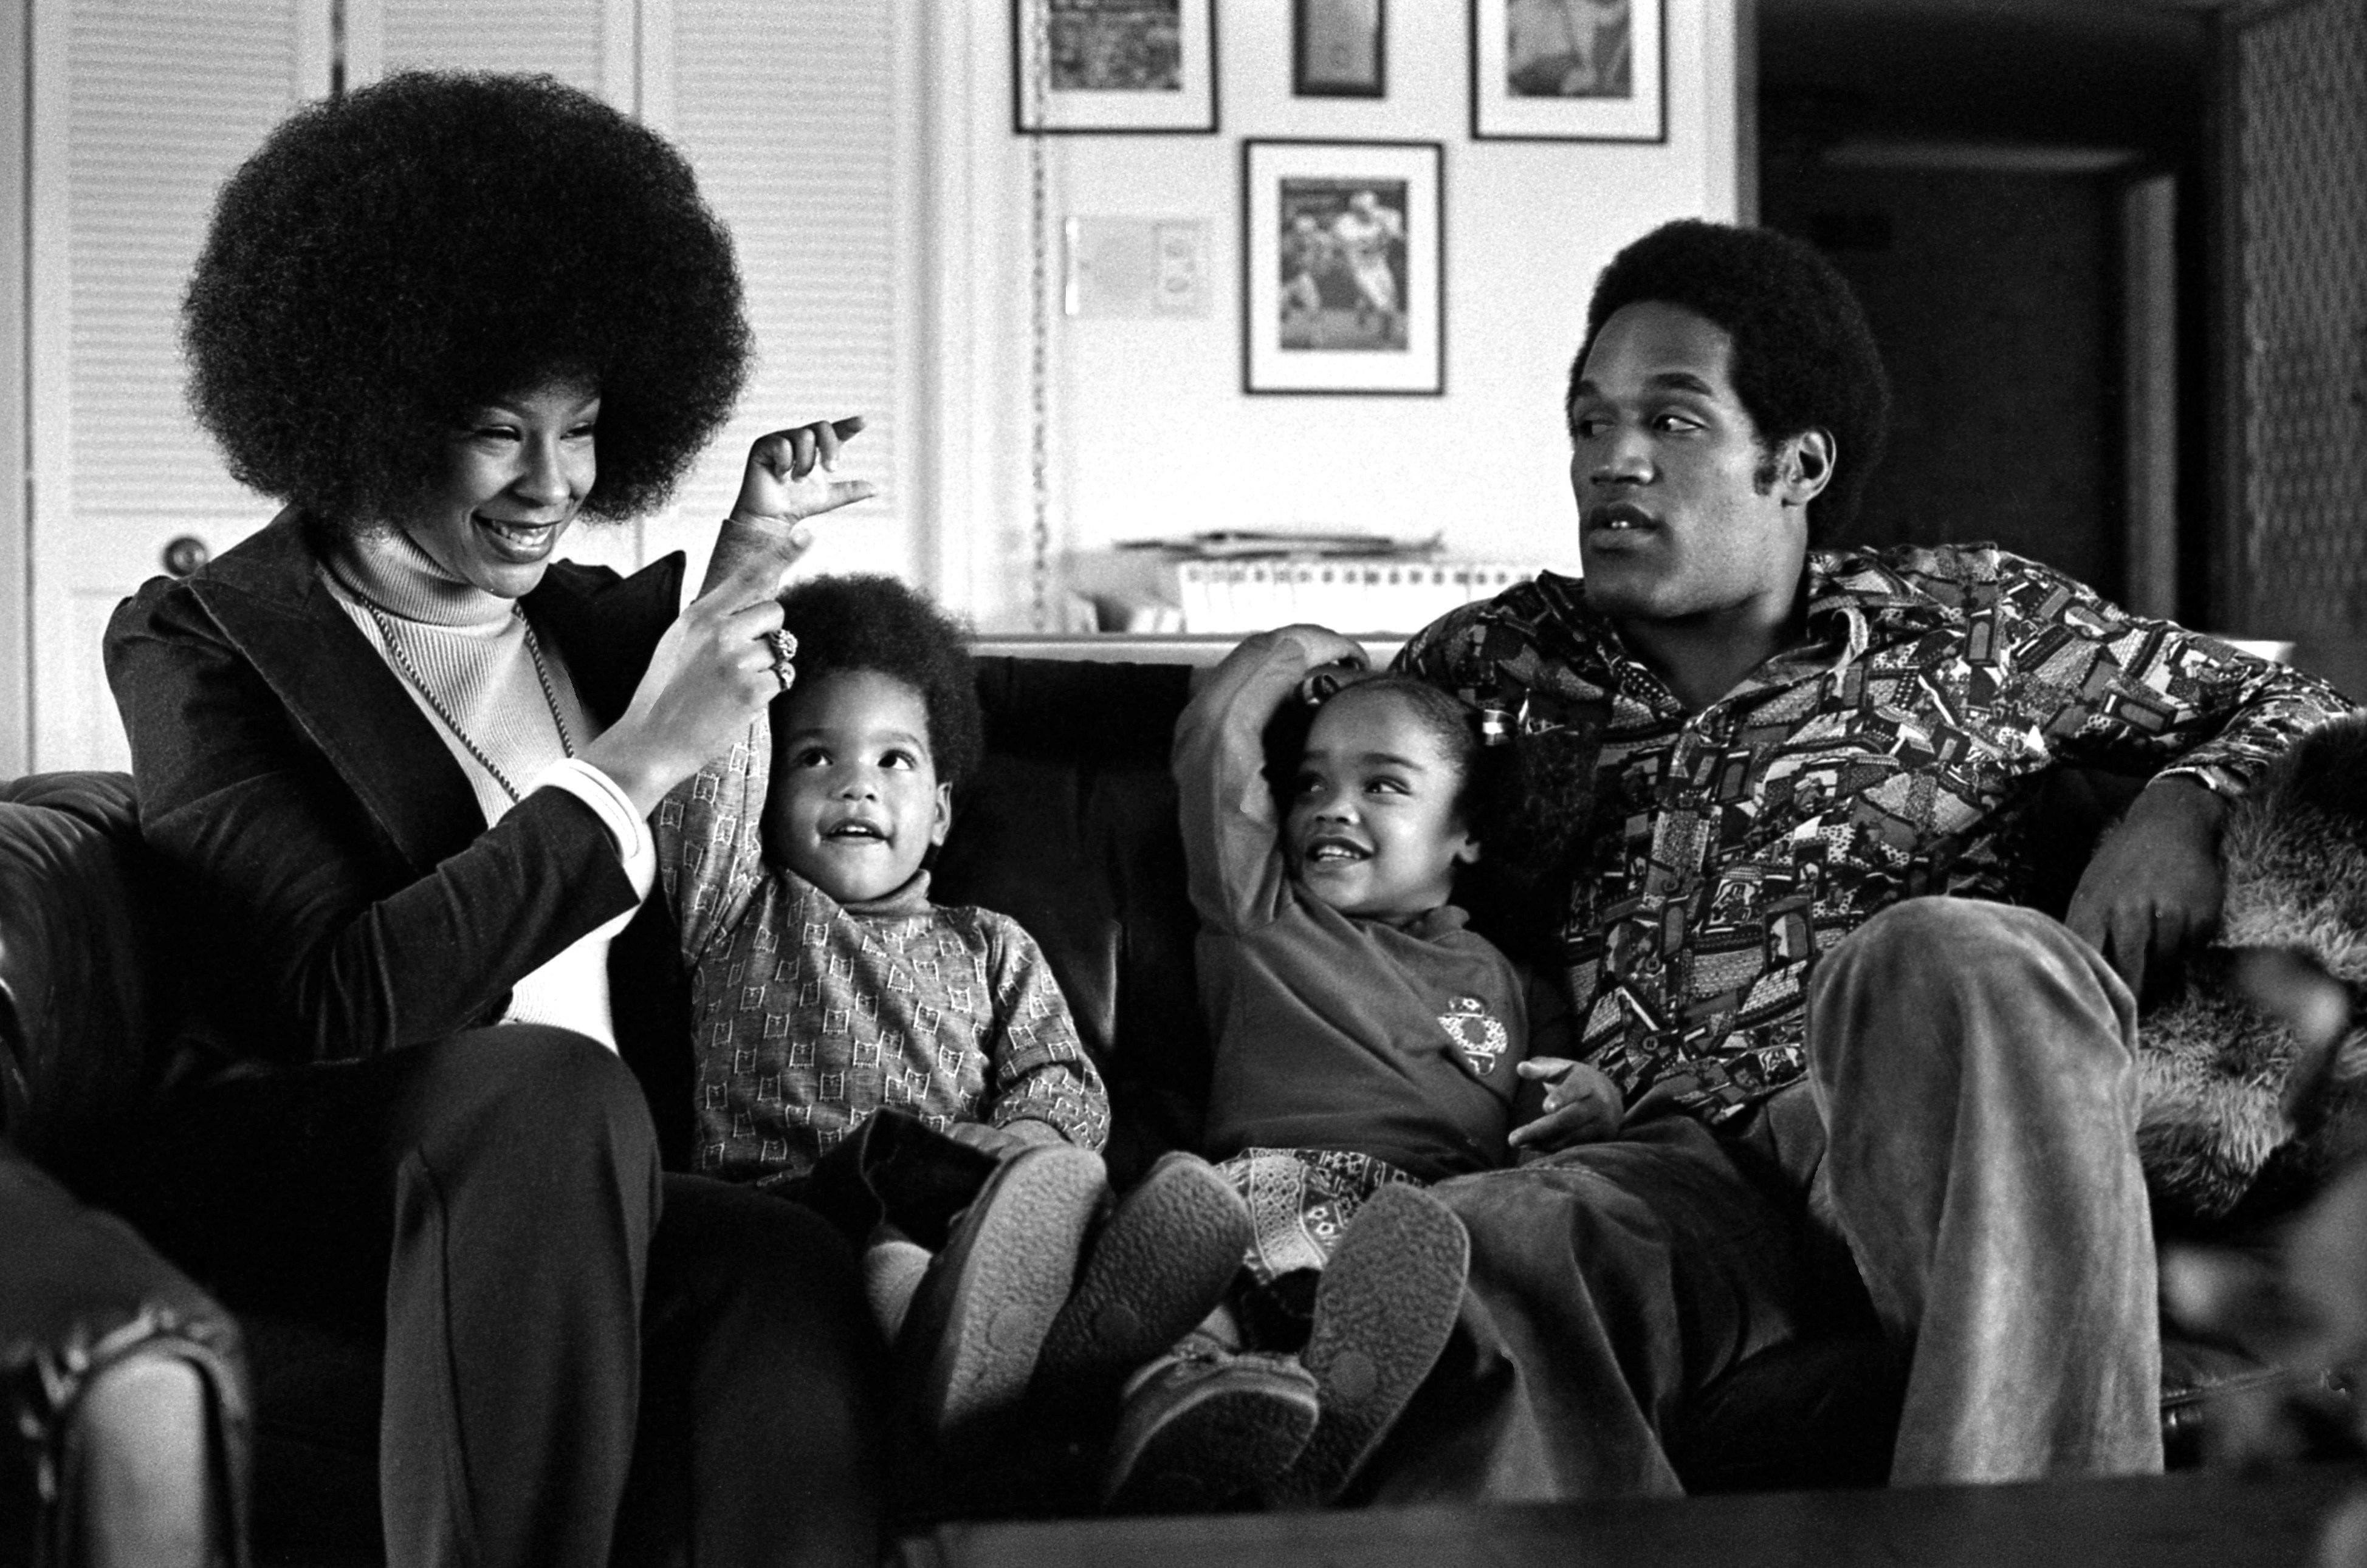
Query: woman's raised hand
x,y
787,478
712,675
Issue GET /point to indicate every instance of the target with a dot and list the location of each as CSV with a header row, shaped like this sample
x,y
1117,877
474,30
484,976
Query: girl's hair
x,y
390,259
868,622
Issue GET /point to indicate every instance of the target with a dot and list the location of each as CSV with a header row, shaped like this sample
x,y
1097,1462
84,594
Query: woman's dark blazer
x,y
336,849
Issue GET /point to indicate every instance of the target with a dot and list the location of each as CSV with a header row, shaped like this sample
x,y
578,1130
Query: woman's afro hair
x,y
1803,356
391,259
869,622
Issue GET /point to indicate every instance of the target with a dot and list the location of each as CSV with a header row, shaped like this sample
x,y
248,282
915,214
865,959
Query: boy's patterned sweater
x,y
809,1014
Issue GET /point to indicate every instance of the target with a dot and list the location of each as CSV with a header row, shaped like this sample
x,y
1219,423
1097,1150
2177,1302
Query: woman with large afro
x,y
404,757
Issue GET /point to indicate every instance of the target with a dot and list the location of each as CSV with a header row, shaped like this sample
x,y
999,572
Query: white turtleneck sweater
x,y
469,647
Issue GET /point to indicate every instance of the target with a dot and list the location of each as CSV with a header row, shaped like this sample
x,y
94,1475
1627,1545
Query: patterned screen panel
x,y
2302,149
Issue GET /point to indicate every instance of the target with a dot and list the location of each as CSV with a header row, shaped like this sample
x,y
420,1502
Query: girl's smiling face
x,y
1372,829
855,803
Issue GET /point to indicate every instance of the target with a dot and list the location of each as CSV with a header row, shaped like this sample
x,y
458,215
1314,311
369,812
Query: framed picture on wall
x,y
1339,48
1569,70
1344,260
1100,67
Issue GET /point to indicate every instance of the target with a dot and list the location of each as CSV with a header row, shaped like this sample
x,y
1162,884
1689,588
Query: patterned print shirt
x,y
1896,752
809,1014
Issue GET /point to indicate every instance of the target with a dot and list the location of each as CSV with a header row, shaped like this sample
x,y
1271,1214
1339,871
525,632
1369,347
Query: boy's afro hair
x,y
387,260
869,622
1803,356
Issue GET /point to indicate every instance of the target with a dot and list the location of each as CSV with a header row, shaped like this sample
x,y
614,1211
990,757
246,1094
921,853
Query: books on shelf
x,y
1238,581
1348,593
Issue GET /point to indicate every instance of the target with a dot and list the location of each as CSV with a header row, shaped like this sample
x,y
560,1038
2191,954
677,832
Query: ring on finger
x,y
785,648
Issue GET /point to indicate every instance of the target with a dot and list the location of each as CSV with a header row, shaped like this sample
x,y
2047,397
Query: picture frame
x,y
1114,67
1569,71
1343,267
1339,48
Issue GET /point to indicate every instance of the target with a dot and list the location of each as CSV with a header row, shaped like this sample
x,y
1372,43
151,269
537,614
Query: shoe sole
x,y
1221,1442
1382,1311
1161,1264
978,1322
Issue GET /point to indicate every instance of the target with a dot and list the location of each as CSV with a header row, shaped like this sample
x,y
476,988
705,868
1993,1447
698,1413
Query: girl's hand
x,y
1582,1106
786,479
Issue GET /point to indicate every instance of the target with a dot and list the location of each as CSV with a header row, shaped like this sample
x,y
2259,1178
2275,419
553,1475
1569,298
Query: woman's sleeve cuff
x,y
615,808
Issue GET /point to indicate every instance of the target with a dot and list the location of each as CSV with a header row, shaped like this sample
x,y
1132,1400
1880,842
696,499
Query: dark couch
x,y
1070,827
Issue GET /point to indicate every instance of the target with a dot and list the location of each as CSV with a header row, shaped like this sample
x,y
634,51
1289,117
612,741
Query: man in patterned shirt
x,y
1846,1102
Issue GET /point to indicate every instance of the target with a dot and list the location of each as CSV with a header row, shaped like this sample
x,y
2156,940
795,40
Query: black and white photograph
x,y
1179,783
1341,246
1568,70
1113,65
1339,48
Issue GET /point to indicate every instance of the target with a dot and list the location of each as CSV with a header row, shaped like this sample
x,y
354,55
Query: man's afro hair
x,y
1803,356
387,260
869,622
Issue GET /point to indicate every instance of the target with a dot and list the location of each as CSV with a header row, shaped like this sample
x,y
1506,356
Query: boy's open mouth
x,y
1334,852
871,831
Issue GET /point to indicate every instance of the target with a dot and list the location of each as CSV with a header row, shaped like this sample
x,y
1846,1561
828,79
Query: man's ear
x,y
1807,465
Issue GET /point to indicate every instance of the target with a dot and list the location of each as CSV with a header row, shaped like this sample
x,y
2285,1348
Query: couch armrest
x,y
79,983
82,1292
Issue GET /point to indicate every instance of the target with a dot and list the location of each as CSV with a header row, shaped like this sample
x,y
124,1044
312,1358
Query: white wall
x,y
1151,430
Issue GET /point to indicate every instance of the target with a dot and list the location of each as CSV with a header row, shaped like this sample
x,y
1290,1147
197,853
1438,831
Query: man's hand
x,y
1323,646
1582,1106
2152,891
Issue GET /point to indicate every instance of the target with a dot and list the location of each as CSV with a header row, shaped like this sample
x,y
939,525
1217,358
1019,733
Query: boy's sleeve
x,y
1036,1066
711,849
1231,831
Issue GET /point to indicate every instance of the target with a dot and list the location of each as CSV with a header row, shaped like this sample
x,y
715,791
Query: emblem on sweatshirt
x,y
1481,1039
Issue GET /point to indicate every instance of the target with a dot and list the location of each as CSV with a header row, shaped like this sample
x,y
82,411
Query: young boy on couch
x,y
907,1069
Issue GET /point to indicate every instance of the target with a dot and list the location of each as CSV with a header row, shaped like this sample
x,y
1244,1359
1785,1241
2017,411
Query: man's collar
x,y
1856,602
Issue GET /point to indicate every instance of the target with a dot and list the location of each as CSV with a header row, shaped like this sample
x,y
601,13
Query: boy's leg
x,y
895,1169
977,1321
1975,1063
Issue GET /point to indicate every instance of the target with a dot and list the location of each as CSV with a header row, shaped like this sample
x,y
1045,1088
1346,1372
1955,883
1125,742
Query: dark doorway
x,y
1978,171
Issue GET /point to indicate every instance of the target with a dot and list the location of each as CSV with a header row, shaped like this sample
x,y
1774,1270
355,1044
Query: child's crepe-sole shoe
x,y
1384,1308
971,1336
1154,1269
1197,1431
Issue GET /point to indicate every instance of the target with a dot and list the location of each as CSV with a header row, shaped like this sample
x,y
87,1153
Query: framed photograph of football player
x,y
1569,71
1102,67
1344,258
1339,48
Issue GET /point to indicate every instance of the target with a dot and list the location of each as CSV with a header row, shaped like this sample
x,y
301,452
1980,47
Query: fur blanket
x,y
2241,1119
